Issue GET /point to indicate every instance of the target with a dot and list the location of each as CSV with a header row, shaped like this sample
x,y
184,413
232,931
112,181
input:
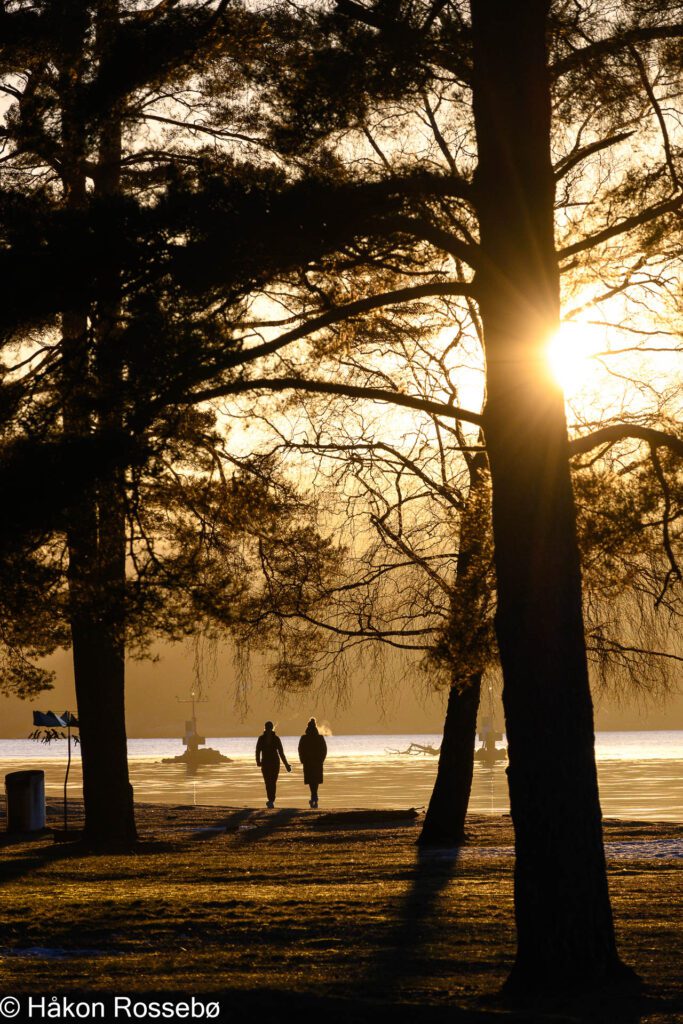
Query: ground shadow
x,y
403,950
47,853
42,849
18,838
363,818
264,822
229,824
611,1006
410,952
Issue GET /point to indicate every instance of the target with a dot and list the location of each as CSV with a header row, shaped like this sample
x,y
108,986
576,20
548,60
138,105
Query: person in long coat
x,y
269,753
312,753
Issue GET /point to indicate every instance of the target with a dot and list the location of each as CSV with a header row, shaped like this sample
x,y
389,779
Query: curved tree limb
x,y
332,388
619,431
577,446
417,227
603,47
564,166
351,309
622,227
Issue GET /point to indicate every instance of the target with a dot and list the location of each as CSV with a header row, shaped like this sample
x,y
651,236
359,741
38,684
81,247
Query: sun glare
x,y
570,352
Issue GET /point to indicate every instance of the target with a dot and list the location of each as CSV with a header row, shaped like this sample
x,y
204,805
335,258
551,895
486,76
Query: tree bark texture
x,y
564,922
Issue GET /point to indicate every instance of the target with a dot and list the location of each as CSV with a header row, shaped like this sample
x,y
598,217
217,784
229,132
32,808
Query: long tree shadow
x,y
410,951
403,952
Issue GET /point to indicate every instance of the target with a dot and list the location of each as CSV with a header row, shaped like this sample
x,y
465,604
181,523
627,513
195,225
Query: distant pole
x,y
193,699
68,766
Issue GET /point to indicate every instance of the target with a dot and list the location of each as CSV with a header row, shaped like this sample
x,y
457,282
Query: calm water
x,y
641,773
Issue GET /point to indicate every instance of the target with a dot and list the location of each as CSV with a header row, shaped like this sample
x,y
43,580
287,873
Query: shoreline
x,y
151,816
647,790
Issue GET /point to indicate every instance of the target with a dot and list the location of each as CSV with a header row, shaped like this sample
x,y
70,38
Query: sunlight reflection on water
x,y
360,773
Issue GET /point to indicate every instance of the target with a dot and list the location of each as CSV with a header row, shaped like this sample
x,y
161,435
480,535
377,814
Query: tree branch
x,y
216,133
603,47
619,431
341,313
565,165
622,227
411,554
436,236
674,568
331,388
642,71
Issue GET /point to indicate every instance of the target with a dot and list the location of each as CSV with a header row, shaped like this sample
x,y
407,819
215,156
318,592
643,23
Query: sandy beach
x,y
336,912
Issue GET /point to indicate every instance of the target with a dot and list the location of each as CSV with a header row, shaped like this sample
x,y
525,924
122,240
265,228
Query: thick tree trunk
x,y
107,793
444,823
96,523
564,920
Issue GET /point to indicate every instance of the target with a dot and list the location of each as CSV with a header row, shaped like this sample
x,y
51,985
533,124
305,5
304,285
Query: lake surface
x,y
640,773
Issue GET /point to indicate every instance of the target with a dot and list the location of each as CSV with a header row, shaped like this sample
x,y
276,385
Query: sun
x,y
571,354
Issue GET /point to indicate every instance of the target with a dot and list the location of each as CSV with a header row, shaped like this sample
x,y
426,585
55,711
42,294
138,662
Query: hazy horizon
x,y
152,708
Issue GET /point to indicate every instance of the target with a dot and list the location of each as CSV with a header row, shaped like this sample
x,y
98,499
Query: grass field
x,y
337,913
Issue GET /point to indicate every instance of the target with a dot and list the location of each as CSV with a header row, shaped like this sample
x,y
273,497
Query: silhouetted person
x,y
312,753
269,753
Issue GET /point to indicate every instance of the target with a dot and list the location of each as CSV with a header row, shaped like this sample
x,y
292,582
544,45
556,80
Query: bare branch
x,y
341,313
565,165
216,133
333,388
622,227
642,70
619,431
674,568
603,47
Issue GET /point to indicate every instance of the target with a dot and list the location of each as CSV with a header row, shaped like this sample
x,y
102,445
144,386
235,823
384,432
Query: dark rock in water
x,y
489,755
198,757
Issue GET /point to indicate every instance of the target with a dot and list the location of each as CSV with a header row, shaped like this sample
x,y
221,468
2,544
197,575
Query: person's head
x,y
312,726
269,726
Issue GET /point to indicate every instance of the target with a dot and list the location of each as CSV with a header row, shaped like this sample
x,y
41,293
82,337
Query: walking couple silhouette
x,y
312,753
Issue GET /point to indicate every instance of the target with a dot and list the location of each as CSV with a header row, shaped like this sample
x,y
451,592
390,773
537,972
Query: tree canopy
x,y
223,199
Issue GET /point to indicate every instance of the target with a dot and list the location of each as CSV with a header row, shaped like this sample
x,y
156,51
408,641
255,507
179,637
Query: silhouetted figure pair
x,y
269,753
312,753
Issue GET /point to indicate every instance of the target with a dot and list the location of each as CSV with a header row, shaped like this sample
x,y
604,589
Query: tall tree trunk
x,y
467,646
96,523
564,920
111,498
444,823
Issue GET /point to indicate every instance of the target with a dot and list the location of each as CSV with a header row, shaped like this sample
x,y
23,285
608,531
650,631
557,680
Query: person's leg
x,y
270,780
271,784
314,794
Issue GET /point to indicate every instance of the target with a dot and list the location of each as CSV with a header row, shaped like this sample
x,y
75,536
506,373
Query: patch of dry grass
x,y
302,903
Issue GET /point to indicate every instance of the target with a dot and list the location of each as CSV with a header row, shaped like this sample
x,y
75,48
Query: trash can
x,y
25,793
